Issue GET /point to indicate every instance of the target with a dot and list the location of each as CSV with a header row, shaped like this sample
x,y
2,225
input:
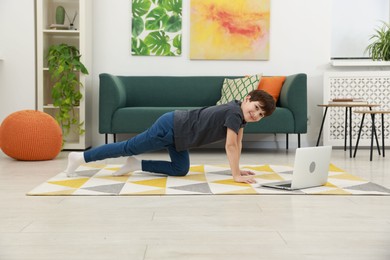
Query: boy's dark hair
x,y
267,102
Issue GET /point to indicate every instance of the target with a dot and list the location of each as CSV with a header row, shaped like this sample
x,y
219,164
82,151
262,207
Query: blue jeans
x,y
159,136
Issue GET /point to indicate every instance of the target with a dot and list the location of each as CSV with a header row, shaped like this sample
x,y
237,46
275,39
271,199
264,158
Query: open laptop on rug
x,y
311,169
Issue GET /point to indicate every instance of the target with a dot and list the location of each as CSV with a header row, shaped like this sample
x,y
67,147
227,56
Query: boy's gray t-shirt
x,y
193,128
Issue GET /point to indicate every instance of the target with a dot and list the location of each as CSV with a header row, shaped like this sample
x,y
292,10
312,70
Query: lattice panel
x,y
371,86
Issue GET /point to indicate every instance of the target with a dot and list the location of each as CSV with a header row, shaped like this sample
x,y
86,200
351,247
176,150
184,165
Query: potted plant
x,y
379,49
64,67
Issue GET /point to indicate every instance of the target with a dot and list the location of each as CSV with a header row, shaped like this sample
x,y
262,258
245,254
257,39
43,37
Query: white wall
x,y
17,49
300,43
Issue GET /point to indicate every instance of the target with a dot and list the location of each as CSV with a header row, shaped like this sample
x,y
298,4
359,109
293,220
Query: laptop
x,y
311,167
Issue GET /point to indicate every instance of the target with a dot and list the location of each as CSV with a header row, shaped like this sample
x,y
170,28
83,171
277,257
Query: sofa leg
x,y
106,138
286,141
299,140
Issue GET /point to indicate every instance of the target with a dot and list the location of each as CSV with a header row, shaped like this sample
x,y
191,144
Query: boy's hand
x,y
244,179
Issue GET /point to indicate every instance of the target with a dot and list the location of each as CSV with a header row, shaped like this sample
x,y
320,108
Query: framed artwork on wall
x,y
156,27
229,30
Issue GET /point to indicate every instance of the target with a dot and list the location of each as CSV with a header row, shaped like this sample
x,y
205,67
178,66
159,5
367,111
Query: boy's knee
x,y
181,171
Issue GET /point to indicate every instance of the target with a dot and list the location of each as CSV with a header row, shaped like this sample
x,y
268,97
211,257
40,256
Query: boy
x,y
181,130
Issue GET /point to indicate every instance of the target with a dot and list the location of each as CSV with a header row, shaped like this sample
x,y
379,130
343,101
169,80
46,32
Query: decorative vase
x,y
60,15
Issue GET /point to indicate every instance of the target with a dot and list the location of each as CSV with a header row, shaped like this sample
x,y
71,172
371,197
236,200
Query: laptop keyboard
x,y
287,185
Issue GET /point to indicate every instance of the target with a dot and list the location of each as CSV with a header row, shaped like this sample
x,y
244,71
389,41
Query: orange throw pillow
x,y
272,85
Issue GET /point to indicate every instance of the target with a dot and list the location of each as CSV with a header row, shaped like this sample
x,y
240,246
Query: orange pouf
x,y
30,135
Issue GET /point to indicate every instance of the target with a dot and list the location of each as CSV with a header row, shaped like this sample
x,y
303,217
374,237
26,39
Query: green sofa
x,y
130,104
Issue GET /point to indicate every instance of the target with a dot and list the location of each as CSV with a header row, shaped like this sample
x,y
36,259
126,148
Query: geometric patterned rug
x,y
97,180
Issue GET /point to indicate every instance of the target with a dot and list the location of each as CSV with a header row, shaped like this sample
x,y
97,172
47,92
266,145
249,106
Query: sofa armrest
x,y
294,97
112,95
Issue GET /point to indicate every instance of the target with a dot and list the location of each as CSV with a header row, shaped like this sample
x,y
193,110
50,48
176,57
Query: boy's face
x,y
252,110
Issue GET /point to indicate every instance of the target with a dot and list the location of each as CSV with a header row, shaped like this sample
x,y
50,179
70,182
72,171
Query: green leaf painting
x,y
156,27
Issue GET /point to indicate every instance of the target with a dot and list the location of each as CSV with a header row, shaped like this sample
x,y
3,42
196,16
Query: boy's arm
x,y
233,151
240,137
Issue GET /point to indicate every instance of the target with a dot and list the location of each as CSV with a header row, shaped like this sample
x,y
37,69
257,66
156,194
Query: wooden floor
x,y
194,227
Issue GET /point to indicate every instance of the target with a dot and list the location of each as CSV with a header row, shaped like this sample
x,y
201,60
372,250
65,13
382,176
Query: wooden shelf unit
x,y
80,37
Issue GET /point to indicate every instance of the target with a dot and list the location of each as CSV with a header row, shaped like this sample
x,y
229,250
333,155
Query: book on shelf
x,y
352,101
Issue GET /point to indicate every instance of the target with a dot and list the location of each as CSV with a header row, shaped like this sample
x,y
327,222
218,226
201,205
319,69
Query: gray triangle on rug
x,y
203,188
114,189
369,186
87,173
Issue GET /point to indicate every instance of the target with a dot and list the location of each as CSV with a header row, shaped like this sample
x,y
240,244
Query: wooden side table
x,y
348,110
373,131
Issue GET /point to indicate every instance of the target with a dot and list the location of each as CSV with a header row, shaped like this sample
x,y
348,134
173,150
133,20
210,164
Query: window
x,y
353,23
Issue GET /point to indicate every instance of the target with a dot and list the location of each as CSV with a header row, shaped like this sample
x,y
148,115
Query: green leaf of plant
x,y
379,49
158,43
137,26
177,43
173,24
138,47
140,7
157,2
65,67
173,6
156,19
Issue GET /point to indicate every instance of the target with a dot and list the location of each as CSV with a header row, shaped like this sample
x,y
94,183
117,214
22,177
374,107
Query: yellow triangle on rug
x,y
72,183
271,176
197,168
159,183
261,168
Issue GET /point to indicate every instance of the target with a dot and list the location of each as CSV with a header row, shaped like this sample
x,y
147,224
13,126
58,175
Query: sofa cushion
x,y
272,85
138,119
170,91
281,121
238,88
